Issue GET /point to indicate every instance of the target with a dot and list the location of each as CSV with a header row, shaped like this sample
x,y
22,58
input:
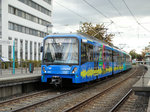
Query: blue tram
x,y
79,58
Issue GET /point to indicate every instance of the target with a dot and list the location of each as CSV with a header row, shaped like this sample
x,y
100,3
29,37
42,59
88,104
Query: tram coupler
x,y
56,80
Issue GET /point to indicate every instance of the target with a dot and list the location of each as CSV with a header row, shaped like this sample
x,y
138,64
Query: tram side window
x,y
100,50
86,53
128,59
114,56
107,57
119,58
90,52
96,53
110,55
124,58
84,57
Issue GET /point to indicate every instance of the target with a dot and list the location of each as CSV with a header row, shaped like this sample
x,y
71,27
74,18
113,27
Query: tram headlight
x,y
44,69
74,70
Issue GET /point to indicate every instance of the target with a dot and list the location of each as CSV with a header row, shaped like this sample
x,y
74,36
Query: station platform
x,y
18,79
7,78
142,87
18,83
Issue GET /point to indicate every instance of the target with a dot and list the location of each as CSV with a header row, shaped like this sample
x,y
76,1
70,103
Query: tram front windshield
x,y
60,51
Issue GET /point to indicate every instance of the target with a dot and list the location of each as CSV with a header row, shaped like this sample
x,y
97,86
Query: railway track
x,y
124,98
42,103
81,106
10,105
131,103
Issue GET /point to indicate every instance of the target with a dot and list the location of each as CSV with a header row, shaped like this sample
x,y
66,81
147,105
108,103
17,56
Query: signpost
x,y
14,57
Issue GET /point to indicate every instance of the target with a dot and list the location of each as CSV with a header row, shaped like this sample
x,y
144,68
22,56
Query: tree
x,y
133,54
99,31
139,57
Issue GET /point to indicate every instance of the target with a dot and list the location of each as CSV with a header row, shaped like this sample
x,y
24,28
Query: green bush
x,y
22,63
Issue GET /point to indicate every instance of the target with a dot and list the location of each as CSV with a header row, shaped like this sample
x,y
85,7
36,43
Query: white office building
x,y
25,22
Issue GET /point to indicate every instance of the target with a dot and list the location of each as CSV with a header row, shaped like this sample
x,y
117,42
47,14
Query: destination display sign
x,y
61,40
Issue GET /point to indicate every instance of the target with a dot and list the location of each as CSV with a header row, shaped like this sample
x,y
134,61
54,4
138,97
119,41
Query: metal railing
x,y
21,67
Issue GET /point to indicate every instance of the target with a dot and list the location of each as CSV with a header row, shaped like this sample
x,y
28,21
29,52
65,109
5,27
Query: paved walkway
x,y
5,73
144,83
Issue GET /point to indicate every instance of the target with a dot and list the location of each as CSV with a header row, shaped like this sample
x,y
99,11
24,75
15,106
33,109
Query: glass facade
x,y
48,1
16,49
35,50
21,49
31,50
26,30
25,15
39,51
36,6
9,50
26,50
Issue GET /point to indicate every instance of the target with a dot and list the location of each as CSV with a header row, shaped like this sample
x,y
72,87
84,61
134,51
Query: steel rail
x,y
83,103
24,96
56,97
123,99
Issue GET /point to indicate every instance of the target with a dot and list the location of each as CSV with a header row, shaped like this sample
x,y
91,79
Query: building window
x,y
27,16
9,50
36,6
48,1
21,49
26,50
39,51
23,29
30,50
35,50
16,49
9,38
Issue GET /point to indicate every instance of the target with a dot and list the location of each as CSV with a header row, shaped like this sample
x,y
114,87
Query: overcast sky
x,y
128,34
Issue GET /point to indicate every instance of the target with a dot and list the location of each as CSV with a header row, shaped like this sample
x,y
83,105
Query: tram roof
x,y
81,35
88,37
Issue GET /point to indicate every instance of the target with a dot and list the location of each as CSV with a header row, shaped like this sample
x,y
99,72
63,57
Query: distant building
x,y
24,21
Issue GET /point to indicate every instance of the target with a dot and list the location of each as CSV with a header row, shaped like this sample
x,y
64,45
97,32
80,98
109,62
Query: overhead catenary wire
x,y
98,11
112,22
71,11
84,17
114,7
135,17
75,14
